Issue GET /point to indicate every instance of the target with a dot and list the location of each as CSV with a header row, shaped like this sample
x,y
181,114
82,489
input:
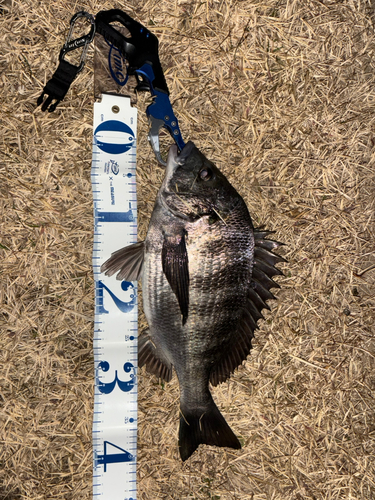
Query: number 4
x,y
113,458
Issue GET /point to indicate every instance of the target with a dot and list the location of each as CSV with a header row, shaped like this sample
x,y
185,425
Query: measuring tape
x,y
116,312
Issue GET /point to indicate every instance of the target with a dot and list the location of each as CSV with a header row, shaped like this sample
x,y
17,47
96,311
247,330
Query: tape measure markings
x,y
116,317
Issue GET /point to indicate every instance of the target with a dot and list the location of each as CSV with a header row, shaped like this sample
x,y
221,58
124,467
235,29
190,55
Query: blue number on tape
x,y
125,386
115,216
113,458
124,307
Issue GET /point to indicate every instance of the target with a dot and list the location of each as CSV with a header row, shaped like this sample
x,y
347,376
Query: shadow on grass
x,y
10,495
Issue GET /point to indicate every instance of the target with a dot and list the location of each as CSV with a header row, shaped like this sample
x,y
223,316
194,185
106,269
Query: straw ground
x,y
280,94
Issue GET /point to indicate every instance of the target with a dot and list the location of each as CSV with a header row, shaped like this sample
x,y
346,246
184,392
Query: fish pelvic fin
x,y
152,358
127,260
204,427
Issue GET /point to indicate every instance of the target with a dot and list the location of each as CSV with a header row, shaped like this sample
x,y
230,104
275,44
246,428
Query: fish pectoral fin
x,y
176,269
149,355
127,260
259,291
208,427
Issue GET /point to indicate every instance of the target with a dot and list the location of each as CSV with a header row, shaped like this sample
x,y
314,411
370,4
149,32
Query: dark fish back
x,y
206,276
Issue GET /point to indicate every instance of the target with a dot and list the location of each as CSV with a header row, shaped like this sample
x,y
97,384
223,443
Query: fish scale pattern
x,y
206,277
258,293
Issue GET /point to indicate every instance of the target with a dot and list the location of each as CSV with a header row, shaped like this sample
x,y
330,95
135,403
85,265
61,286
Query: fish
x,y
206,277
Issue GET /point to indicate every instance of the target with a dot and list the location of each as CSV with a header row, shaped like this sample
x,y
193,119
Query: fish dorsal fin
x,y
127,260
153,359
176,269
259,291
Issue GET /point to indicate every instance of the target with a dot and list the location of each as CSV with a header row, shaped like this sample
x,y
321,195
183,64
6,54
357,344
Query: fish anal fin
x,y
149,356
176,269
127,260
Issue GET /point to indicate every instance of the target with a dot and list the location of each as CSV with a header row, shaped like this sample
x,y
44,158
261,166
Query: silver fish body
x,y
203,289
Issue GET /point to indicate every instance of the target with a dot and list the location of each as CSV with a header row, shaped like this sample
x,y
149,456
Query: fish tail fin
x,y
208,427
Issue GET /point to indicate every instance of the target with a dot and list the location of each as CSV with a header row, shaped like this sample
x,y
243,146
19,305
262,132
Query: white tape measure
x,y
116,311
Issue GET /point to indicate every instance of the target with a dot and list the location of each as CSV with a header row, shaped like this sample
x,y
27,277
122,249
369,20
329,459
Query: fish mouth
x,y
185,153
174,159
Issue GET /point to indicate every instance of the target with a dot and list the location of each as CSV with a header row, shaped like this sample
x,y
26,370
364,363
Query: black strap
x,y
58,86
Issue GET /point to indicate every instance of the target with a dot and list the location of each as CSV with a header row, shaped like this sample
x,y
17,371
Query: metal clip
x,y
141,49
82,41
160,114
57,87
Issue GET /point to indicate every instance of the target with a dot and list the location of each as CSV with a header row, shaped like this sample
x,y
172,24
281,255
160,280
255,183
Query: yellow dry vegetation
x,y
281,95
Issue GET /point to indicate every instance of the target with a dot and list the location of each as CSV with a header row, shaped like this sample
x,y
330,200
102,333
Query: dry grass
x,y
280,93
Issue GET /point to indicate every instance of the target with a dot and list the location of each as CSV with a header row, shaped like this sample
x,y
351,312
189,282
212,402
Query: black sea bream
x,y
206,274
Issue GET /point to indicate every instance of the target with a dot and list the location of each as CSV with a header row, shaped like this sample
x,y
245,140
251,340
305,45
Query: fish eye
x,y
205,174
